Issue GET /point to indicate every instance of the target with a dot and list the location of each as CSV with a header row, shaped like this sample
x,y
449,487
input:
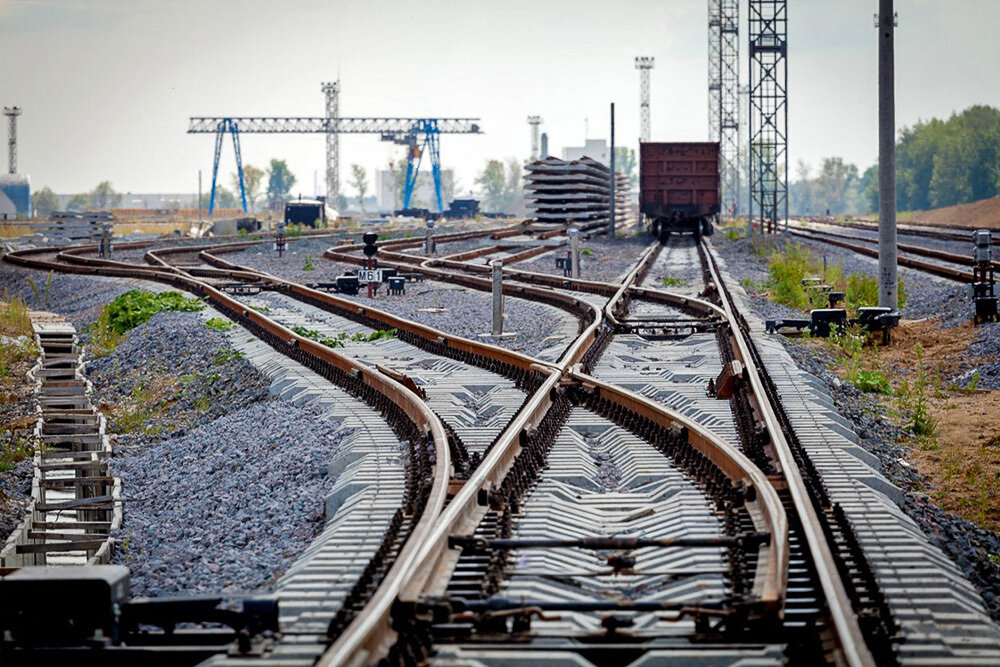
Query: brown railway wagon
x,y
679,186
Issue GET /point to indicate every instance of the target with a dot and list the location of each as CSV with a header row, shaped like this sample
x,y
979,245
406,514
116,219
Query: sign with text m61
x,y
369,275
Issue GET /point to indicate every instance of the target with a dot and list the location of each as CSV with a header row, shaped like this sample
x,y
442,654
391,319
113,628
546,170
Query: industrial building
x,y
15,196
596,149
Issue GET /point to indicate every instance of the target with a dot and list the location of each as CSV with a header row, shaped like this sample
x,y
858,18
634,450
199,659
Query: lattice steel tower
x,y
12,113
332,92
723,93
534,122
768,113
644,64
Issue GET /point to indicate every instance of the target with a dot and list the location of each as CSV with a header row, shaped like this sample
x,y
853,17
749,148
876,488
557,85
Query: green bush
x,y
136,307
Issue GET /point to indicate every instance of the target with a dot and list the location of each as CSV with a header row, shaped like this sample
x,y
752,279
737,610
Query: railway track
x,y
625,506
950,272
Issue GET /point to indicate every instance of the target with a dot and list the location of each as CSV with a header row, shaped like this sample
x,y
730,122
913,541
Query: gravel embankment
x,y
227,507
224,486
967,544
170,375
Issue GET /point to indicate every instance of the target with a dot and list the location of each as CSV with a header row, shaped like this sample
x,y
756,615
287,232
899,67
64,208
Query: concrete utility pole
x,y
12,113
887,285
611,220
534,122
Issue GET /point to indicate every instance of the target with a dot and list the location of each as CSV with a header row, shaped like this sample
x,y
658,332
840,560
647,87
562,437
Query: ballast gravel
x,y
227,507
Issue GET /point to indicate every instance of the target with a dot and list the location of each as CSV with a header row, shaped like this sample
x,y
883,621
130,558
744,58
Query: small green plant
x,y
225,356
293,231
308,265
202,404
242,233
255,237
218,324
318,337
587,251
670,281
872,381
14,448
734,234
913,403
973,384
261,309
14,318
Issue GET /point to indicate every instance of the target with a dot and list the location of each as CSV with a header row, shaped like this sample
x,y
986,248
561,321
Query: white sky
x,y
107,86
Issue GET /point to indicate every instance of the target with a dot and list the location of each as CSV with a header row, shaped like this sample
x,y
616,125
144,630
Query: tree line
x,y
280,181
938,163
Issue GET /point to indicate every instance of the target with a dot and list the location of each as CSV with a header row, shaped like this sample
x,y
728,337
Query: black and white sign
x,y
369,275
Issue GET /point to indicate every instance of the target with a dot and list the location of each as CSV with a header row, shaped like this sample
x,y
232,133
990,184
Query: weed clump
x,y
131,309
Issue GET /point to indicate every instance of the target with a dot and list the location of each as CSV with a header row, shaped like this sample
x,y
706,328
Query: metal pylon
x,y
768,21
332,92
729,115
431,142
12,113
644,64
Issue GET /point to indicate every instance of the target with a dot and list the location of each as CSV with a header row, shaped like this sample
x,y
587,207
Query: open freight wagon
x,y
679,186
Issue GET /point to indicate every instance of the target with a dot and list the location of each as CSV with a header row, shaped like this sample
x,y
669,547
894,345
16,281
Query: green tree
x,y
44,201
868,190
223,198
359,179
492,184
279,181
253,178
77,202
104,196
625,164
500,184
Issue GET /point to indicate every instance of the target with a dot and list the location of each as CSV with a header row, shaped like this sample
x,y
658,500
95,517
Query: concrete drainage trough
x,y
74,498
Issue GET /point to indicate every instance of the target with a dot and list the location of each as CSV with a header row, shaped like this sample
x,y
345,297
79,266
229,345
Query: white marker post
x,y
574,251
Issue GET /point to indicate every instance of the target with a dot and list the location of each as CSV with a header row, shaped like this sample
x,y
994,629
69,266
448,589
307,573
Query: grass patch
x,y
586,251
145,402
14,320
218,324
293,231
308,265
670,281
15,447
791,263
339,339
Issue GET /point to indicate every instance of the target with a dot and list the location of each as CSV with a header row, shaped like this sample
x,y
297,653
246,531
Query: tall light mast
x,y
644,64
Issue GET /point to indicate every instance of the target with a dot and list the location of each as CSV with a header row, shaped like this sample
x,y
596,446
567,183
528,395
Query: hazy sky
x,y
107,86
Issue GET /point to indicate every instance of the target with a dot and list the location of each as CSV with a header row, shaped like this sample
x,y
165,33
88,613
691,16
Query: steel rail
x,y
934,253
845,623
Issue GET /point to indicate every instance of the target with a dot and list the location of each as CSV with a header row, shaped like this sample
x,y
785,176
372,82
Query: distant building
x,y
15,196
389,199
592,148
156,201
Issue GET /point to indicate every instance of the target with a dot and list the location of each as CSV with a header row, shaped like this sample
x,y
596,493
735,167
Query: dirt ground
x,y
982,213
961,457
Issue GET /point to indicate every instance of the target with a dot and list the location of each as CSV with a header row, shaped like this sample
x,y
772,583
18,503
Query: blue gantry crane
x,y
419,135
